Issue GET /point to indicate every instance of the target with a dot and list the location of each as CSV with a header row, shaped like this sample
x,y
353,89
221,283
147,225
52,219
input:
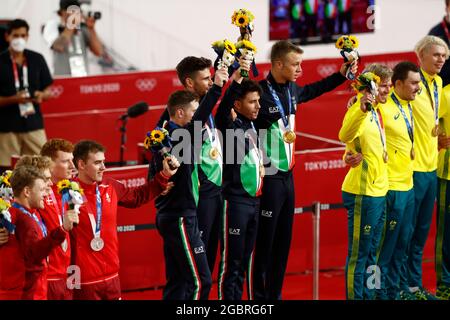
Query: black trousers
x,y
187,272
240,221
274,237
209,214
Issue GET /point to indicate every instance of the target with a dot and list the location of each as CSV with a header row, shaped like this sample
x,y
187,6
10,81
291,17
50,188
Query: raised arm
x,y
354,118
316,89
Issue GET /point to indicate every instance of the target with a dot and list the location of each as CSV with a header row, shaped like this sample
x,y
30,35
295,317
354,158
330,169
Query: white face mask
x,y
18,44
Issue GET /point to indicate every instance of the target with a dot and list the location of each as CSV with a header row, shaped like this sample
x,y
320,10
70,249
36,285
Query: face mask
x,y
18,44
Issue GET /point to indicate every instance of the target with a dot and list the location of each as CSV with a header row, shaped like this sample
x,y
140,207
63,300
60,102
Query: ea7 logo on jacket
x,y
273,109
199,250
234,232
267,214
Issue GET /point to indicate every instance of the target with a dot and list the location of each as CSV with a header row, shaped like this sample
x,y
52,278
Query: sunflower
x,y
354,40
241,20
62,185
147,143
247,45
157,136
340,42
229,46
4,205
4,178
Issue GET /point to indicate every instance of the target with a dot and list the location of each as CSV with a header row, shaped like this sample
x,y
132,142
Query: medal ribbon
x,y
96,225
409,126
434,105
32,215
276,98
379,121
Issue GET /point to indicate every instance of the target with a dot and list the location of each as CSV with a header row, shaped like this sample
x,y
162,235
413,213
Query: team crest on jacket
x,y
108,198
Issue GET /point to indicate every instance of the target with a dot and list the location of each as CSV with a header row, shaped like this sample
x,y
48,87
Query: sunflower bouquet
x,y
158,141
71,194
226,51
5,216
367,81
348,45
243,19
6,191
247,50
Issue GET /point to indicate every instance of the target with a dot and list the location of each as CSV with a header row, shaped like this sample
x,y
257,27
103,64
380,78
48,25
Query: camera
x,y
97,15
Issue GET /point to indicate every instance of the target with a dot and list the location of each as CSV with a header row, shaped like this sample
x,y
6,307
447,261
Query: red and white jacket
x,y
58,260
103,265
35,249
12,267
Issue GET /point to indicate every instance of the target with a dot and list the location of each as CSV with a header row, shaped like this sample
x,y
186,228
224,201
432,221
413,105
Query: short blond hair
x,y
24,176
384,72
39,162
426,42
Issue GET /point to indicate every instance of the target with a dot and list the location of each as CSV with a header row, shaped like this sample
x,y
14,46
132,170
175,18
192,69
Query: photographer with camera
x,y
24,84
70,36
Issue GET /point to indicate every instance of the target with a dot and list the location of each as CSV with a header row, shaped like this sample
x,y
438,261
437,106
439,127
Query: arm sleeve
x,y
51,32
33,248
164,117
138,196
206,106
45,78
352,123
316,89
223,115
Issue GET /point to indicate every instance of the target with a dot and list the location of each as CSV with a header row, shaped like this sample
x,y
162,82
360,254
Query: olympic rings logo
x,y
324,70
146,84
56,91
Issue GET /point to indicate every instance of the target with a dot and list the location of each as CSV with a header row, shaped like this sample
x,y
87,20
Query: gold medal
x,y
385,156
262,171
413,154
435,131
213,153
289,136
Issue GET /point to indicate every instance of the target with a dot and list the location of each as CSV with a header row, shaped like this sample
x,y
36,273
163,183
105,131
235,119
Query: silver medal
x,y
97,244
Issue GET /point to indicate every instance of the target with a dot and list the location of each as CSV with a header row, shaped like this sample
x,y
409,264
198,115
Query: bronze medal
x,y
413,154
435,131
385,156
289,136
213,153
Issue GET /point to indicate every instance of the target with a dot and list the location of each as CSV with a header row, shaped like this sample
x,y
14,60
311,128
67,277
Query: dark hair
x,y
17,24
447,2
83,148
187,67
24,176
402,69
64,4
281,48
180,99
248,86
52,146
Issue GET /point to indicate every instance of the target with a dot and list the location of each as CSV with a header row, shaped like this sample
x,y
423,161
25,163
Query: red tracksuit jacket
x,y
58,260
35,250
99,266
12,267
